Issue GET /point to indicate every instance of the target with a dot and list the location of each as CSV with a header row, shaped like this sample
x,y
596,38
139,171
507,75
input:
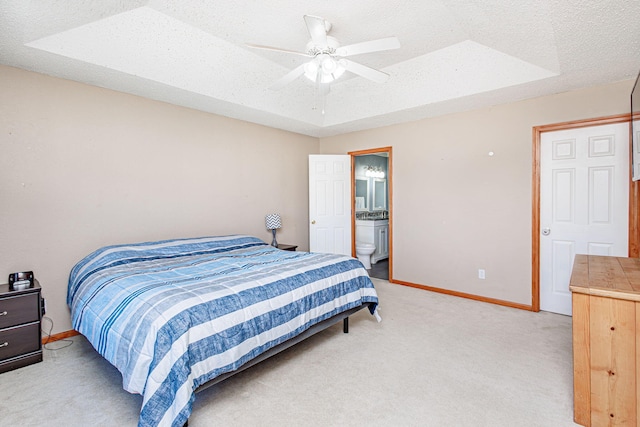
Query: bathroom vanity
x,y
375,232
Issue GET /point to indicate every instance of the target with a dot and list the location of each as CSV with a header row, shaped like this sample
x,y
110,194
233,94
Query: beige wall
x,y
82,167
455,208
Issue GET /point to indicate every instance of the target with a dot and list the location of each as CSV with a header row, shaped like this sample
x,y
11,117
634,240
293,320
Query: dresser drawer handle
x,y
4,344
4,313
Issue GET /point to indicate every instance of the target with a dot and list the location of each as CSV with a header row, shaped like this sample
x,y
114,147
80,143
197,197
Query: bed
x,y
177,315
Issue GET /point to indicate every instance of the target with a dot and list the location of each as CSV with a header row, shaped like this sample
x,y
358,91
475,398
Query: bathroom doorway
x,y
372,208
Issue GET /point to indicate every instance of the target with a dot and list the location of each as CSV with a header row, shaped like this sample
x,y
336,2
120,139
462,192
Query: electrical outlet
x,y
481,274
43,306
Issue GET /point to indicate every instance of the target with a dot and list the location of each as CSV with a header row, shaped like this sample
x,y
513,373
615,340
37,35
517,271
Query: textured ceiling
x,y
455,55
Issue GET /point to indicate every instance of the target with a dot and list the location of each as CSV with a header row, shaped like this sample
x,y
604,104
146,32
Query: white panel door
x,y
584,196
330,204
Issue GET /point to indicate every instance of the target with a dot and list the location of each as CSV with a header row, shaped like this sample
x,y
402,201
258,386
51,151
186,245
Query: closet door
x,y
584,193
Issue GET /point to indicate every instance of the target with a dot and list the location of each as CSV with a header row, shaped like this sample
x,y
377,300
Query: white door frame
x,y
634,198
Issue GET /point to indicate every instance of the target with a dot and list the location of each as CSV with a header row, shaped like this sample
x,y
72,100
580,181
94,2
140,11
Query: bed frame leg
x,y
345,325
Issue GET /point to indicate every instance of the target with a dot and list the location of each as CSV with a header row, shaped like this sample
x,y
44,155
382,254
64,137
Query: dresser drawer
x,y
19,340
19,309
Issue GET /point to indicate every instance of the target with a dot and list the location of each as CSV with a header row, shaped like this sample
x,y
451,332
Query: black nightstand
x,y
287,247
20,338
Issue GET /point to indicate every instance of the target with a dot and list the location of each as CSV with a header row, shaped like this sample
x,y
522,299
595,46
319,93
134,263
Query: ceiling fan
x,y
328,59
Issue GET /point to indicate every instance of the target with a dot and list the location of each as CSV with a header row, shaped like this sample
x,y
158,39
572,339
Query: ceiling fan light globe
x,y
338,72
311,75
329,65
311,68
327,78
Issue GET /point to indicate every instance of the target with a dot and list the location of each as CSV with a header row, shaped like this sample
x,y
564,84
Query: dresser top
x,y
4,289
612,277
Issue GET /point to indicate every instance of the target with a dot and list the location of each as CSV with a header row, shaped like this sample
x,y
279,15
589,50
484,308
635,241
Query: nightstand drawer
x,y
19,340
19,309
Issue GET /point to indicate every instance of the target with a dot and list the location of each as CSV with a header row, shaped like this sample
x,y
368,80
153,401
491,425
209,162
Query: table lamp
x,y
273,222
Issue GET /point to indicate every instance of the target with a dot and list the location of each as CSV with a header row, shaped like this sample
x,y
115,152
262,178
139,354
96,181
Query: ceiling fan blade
x,y
288,78
277,49
317,30
370,46
364,71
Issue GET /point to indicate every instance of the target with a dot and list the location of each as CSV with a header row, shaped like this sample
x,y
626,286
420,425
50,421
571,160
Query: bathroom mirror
x,y
379,194
362,194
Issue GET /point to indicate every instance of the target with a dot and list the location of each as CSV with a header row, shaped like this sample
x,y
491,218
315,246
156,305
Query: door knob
x,y
313,222
546,231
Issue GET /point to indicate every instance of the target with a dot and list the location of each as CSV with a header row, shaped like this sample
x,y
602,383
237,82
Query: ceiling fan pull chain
x,y
318,101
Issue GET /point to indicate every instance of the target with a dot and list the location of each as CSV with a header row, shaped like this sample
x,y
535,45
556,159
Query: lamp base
x,y
274,242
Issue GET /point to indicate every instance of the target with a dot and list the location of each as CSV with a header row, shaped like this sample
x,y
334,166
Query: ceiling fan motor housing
x,y
330,49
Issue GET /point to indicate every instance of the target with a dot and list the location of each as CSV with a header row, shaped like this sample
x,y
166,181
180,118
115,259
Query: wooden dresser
x,y
606,348
20,316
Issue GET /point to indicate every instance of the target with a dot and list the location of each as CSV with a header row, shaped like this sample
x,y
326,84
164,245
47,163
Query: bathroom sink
x,y
372,222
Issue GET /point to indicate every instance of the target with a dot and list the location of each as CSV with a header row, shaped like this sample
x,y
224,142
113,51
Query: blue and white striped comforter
x,y
172,315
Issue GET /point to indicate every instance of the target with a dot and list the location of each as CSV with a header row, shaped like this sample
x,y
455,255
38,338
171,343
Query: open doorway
x,y
371,182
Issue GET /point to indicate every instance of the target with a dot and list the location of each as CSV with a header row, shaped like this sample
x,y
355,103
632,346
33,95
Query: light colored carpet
x,y
435,360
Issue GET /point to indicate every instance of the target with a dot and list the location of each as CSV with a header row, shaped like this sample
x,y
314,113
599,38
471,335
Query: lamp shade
x,y
273,221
